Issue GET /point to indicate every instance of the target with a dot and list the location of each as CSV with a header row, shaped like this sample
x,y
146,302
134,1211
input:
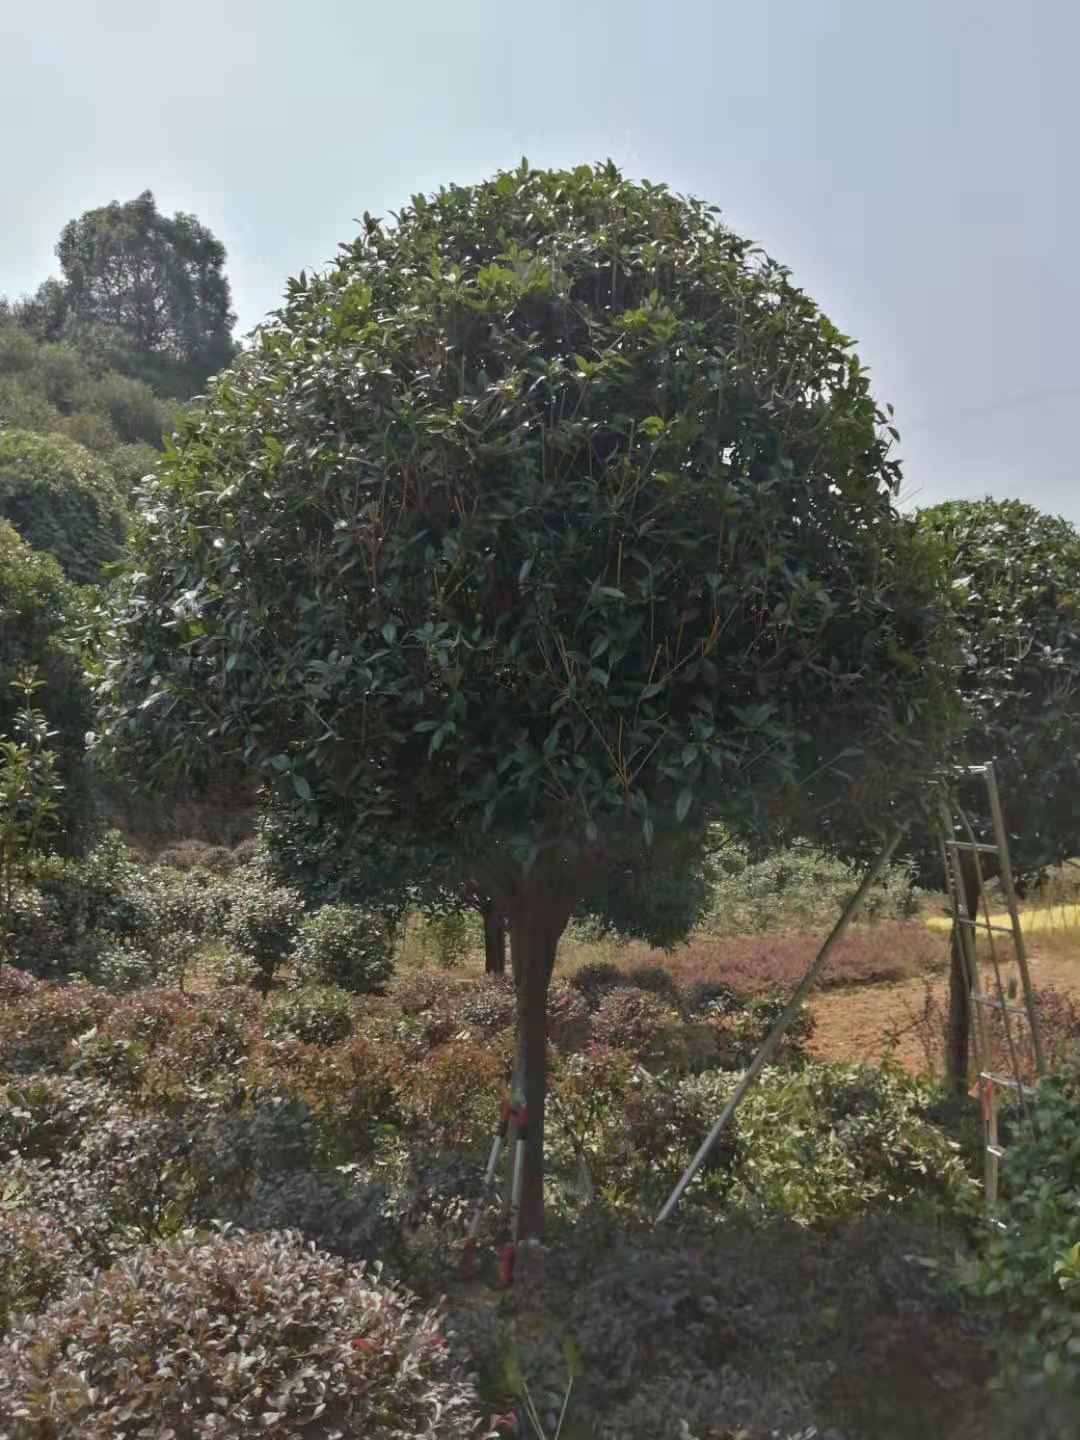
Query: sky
x,y
914,163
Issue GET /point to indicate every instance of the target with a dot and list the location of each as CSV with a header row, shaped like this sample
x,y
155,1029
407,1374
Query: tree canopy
x,y
1014,584
63,501
552,521
1012,575
143,292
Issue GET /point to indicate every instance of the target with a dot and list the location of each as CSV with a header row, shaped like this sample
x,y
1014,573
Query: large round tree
x,y
1013,578
550,522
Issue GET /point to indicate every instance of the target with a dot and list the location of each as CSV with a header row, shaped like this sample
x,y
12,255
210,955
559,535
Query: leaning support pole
x,y
773,1038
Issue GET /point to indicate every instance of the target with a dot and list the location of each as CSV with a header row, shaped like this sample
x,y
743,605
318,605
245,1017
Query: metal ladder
x,y
959,838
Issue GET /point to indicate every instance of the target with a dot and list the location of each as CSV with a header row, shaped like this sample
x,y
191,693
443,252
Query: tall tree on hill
x,y
146,292
1014,585
551,523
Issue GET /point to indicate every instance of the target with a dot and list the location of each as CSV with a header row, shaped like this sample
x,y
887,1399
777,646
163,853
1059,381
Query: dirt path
x,y
855,1023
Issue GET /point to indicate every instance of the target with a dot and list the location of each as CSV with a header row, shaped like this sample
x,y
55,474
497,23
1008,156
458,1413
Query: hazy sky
x,y
914,162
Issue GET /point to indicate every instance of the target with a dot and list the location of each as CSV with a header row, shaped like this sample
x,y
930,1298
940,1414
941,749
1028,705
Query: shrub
x,y
815,1145
748,964
657,981
44,1116
427,990
125,1183
596,979
711,997
198,855
632,1020
263,920
318,1015
62,501
489,1006
800,888
745,1029
344,945
234,1153
293,1341
567,1017
36,1034
1031,1262
346,1214
232,970
453,1095
15,985
37,1260
448,938
124,967
349,1089
164,1045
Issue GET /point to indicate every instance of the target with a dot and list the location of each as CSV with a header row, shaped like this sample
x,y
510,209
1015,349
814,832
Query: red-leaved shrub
x,y
452,1096
239,1336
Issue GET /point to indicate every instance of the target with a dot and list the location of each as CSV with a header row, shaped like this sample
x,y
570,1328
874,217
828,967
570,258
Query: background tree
x,y
40,612
550,522
63,501
1013,577
143,293
50,388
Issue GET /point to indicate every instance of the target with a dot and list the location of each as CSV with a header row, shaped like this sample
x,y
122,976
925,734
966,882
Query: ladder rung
x,y
978,846
982,925
1007,1084
992,1003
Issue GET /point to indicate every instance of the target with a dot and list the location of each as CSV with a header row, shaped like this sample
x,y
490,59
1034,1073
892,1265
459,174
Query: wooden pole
x,y
774,1036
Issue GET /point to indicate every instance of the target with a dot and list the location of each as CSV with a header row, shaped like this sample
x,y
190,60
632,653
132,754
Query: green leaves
x,y
553,553
1011,578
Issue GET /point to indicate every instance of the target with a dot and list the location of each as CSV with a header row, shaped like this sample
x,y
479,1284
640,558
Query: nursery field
x,y
822,1277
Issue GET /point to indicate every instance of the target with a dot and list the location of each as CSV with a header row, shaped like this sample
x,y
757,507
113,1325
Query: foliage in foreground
x,y
231,1337
1033,1263
363,1122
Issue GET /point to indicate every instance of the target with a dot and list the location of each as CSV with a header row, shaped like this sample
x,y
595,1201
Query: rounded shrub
x,y
632,1019
263,920
595,979
343,945
37,1259
234,1337
453,1094
349,1090
38,1033
61,500
317,1015
658,981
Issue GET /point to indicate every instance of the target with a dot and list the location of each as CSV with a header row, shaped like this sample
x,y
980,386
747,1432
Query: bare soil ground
x,y
856,1022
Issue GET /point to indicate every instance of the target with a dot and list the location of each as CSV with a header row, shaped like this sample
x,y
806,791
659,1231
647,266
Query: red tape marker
x,y
506,1266
468,1258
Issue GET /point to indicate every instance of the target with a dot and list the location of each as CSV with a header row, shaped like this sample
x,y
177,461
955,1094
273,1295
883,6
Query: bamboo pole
x,y
774,1036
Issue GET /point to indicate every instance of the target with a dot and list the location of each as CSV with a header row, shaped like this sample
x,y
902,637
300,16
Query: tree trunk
x,y
958,1026
534,939
494,941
